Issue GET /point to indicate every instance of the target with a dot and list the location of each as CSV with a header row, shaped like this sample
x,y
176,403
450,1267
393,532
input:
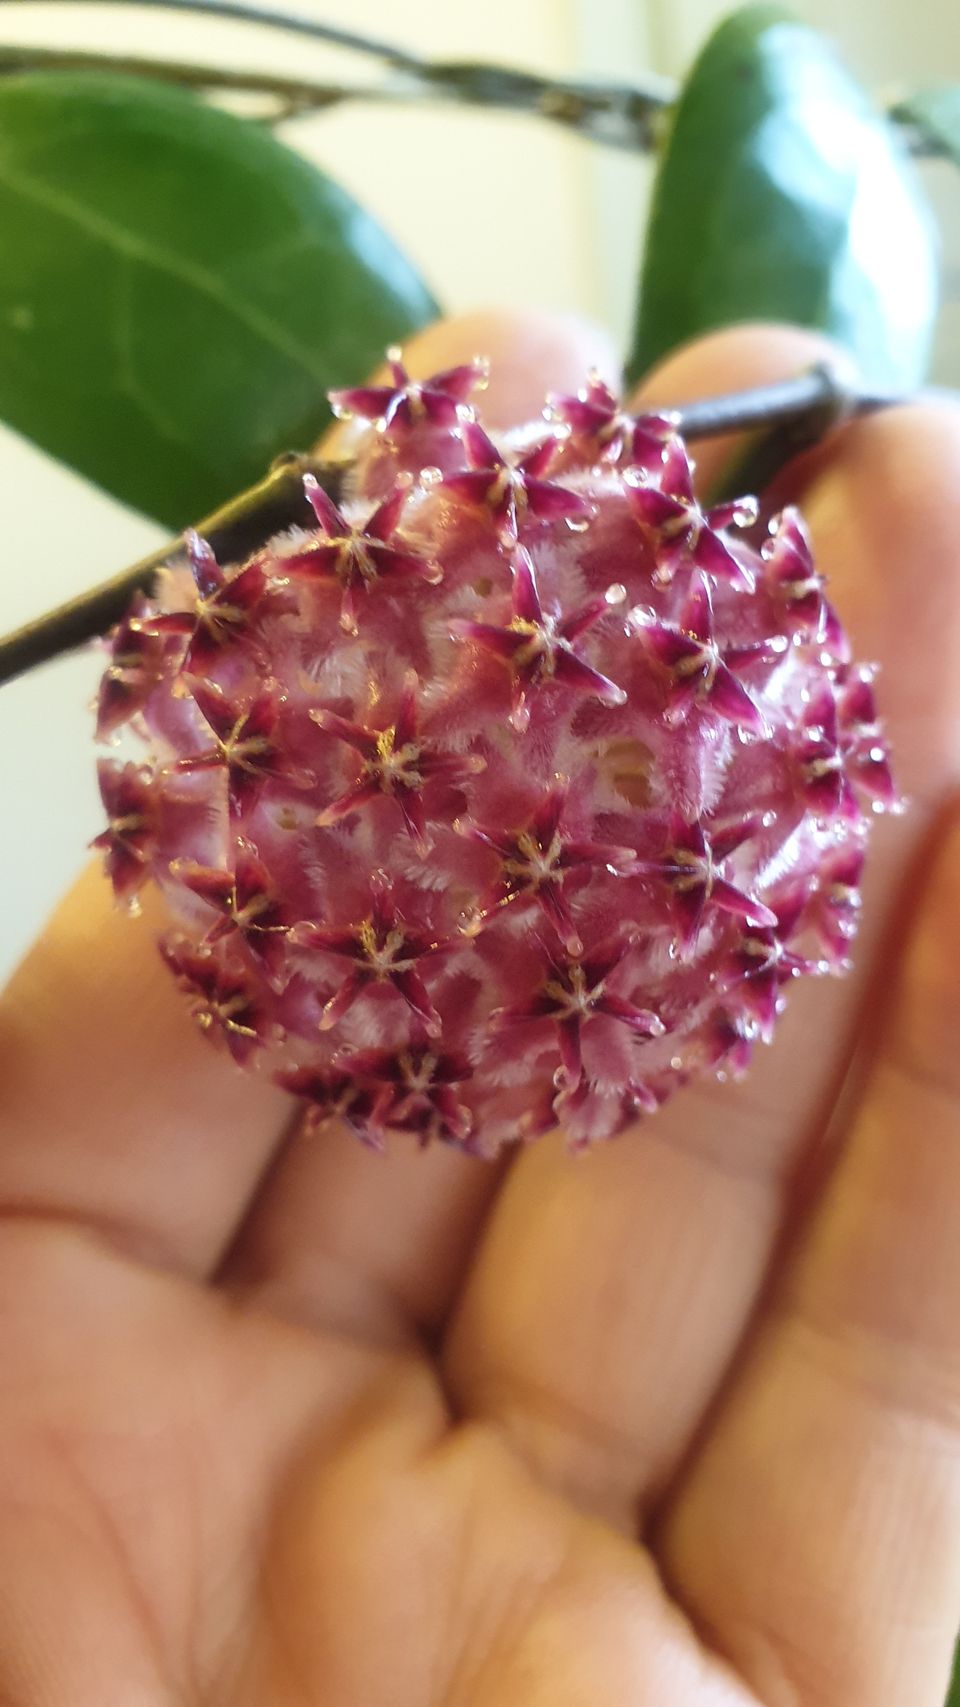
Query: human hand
x,y
283,1424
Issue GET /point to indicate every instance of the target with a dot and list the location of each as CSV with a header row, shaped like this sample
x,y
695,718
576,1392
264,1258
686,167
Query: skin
x,y
284,1424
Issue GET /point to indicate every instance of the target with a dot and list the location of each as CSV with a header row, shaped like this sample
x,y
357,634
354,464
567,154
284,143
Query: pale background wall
x,y
494,209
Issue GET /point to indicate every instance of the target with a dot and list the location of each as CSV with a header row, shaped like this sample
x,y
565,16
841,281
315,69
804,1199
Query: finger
x,y
818,1534
113,1110
735,359
379,1244
632,1274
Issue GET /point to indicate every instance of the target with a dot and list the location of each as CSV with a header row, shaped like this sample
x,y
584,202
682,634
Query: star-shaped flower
x,y
225,605
137,658
697,671
384,949
335,1095
836,903
794,581
128,793
538,646
822,774
602,430
539,864
225,1001
397,762
512,491
575,992
245,899
690,866
686,537
417,1090
358,556
726,1043
244,742
862,739
759,966
405,403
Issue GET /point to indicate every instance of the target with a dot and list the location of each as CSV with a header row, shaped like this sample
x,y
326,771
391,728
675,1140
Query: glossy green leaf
x,y
177,289
936,115
782,195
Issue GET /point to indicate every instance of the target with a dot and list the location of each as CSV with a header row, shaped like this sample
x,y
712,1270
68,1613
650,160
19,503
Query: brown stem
x,y
292,94
622,115
234,531
797,412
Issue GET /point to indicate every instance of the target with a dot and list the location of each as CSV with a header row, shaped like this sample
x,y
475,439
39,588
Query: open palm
x,y
283,1424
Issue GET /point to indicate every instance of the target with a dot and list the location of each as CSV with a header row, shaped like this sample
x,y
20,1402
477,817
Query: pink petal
x,y
213,705
732,701
329,519
306,934
364,740
569,1038
502,642
414,992
546,819
715,558
689,906
473,486
672,648
343,999
212,886
481,451
207,572
385,519
370,402
640,1020
677,472
696,616
549,502
725,839
732,900
352,801
459,382
583,678
740,513
573,626
549,898
526,597
405,723
169,622
652,508
537,462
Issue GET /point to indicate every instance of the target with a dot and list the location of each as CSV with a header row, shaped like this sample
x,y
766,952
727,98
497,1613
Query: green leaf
x,y
953,1697
177,289
936,114
782,195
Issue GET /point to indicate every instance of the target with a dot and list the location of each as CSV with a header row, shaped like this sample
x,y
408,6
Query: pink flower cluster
x,y
510,793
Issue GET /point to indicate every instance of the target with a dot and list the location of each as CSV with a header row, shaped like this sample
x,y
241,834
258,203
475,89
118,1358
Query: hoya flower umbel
x,y
512,788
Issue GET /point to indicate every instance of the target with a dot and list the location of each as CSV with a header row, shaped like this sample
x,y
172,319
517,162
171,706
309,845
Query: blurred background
x,y
494,209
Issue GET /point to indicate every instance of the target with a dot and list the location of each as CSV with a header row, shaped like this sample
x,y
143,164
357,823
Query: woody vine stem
x,y
791,416
630,116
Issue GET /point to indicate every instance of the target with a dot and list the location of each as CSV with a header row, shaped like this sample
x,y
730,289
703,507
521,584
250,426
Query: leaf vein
x,y
137,250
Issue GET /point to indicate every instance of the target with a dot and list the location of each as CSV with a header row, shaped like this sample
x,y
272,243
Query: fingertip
x,y
737,357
